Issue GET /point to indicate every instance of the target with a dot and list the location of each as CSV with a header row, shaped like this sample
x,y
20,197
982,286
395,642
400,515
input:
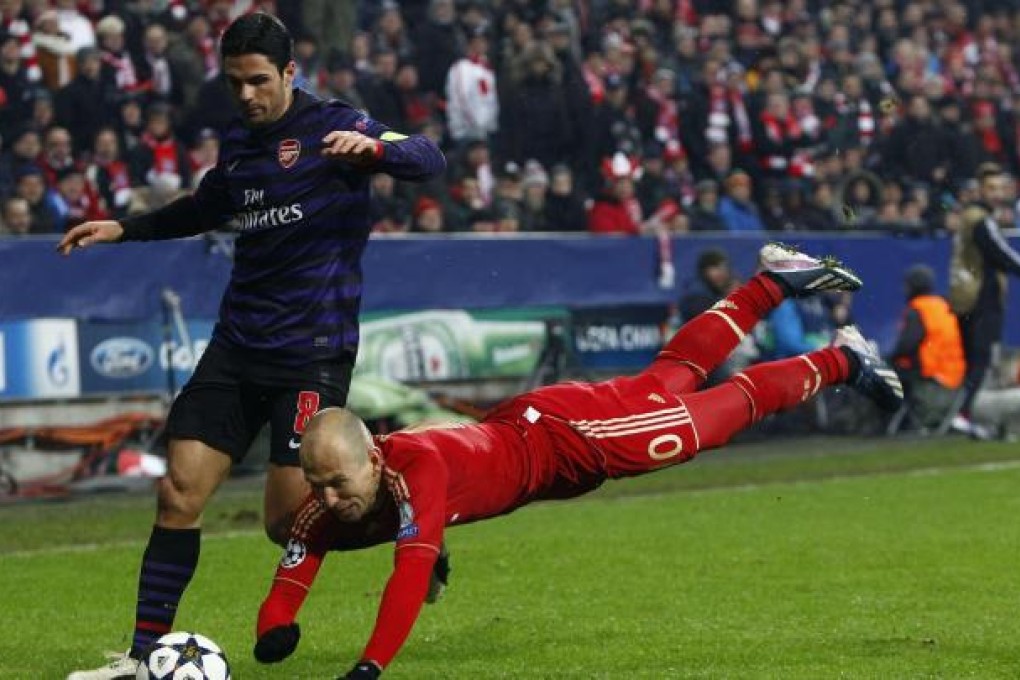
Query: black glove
x,y
442,569
276,644
440,576
364,670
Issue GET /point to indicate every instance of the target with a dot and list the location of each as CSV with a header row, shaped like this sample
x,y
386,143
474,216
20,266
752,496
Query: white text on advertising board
x,y
184,358
627,338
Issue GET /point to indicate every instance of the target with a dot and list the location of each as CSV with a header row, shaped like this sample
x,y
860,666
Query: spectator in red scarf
x,y
780,135
418,107
108,172
192,61
615,125
199,37
79,203
57,154
992,144
160,161
160,77
658,116
117,62
203,154
617,210
15,24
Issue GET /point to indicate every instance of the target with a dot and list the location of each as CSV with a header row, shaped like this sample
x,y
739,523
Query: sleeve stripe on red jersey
x,y
418,545
299,584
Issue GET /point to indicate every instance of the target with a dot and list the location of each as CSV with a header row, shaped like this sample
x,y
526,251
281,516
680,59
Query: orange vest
x,y
941,351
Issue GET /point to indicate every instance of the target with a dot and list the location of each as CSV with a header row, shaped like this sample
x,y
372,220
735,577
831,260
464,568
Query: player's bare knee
x,y
177,505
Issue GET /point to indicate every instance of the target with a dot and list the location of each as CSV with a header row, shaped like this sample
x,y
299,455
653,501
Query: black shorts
x,y
232,395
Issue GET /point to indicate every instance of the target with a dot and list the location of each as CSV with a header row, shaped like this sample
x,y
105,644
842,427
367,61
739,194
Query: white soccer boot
x,y
875,379
120,667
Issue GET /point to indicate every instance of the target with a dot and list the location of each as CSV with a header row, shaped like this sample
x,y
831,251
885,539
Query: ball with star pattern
x,y
184,656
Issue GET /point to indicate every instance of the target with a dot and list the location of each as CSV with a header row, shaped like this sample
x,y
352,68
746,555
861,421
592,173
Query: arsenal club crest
x,y
288,152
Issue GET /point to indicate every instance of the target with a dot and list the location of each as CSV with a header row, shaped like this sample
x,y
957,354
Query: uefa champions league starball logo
x,y
294,555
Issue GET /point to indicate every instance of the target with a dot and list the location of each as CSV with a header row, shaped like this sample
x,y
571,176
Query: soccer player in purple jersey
x,y
293,181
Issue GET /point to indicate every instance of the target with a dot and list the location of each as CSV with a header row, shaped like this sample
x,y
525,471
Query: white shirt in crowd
x,y
472,105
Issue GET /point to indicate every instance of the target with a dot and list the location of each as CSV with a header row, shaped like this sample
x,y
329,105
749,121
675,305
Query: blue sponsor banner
x,y
39,360
618,338
135,357
470,273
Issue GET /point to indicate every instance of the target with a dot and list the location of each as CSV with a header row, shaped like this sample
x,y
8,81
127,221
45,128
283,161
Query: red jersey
x,y
556,442
449,476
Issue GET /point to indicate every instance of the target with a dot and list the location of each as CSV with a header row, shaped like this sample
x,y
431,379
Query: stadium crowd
x,y
556,115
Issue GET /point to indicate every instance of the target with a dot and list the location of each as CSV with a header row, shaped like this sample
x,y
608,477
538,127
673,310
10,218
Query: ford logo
x,y
121,357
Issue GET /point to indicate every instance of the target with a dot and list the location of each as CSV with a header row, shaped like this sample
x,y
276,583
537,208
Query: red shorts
x,y
618,428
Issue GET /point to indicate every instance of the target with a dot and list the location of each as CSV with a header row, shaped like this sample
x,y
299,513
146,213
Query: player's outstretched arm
x,y
411,158
311,535
402,601
88,233
277,632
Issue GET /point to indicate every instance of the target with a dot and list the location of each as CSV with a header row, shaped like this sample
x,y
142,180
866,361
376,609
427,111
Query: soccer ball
x,y
184,656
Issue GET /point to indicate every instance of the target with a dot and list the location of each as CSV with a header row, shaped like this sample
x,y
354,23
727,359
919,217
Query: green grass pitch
x,y
874,560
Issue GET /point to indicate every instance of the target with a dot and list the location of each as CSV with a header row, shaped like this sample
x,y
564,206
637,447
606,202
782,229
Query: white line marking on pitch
x,y
91,547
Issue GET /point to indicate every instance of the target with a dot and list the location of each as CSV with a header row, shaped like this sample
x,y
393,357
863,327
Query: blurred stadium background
x,y
636,146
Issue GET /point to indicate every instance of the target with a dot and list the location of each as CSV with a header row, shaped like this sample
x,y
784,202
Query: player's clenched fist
x,y
99,231
350,146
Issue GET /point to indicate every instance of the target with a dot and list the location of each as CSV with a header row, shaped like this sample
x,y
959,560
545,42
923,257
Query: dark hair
x,y
258,33
920,280
712,257
986,170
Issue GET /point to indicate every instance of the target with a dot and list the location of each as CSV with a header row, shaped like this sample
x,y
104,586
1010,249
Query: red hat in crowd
x,y
425,204
674,151
667,210
983,109
619,166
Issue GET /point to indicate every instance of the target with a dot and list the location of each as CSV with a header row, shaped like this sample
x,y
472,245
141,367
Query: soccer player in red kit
x,y
555,442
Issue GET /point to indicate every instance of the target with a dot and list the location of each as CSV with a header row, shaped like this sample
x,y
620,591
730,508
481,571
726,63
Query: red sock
x,y
779,385
721,412
703,343
311,536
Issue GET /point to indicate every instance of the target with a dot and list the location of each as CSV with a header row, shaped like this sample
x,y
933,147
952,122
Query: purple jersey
x,y
302,223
